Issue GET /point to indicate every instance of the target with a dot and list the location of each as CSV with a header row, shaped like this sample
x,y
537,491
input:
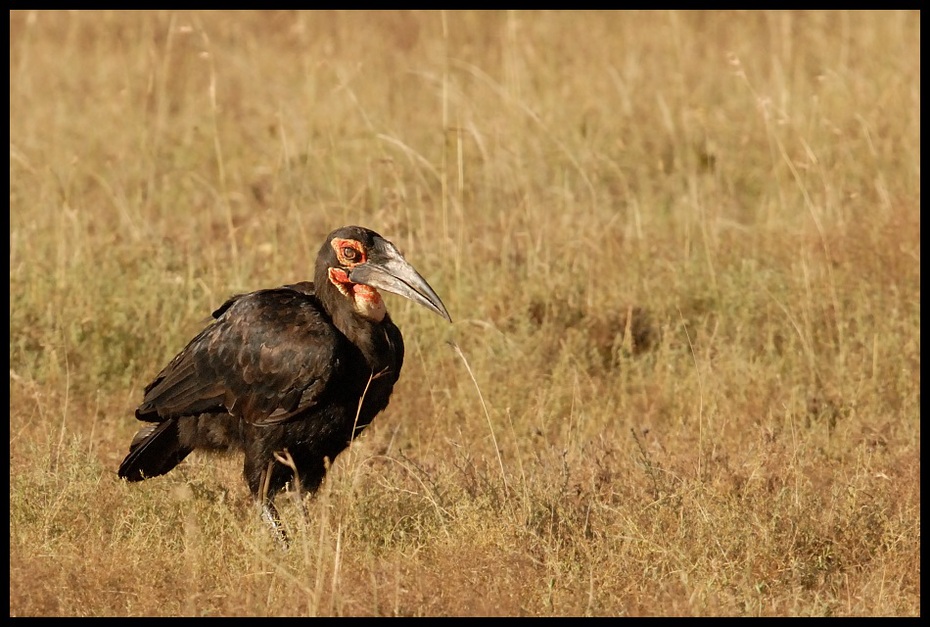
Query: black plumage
x,y
297,371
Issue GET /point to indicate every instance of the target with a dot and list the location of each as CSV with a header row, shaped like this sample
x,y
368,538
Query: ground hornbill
x,y
288,375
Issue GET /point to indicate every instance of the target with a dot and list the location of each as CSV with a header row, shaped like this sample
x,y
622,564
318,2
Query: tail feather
x,y
154,450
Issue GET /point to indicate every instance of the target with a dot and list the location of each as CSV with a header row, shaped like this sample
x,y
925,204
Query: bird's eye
x,y
350,254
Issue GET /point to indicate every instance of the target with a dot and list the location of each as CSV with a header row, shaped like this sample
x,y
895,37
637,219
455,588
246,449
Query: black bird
x,y
288,375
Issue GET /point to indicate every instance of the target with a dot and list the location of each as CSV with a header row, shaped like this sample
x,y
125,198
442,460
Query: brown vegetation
x,y
682,255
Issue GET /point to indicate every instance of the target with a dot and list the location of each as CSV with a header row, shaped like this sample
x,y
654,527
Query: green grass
x,y
682,255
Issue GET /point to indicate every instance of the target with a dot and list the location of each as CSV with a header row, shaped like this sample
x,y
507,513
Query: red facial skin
x,y
367,300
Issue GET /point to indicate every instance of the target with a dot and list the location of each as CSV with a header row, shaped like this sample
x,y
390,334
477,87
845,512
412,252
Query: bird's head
x,y
359,262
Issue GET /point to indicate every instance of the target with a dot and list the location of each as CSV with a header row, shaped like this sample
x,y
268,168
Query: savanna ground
x,y
682,255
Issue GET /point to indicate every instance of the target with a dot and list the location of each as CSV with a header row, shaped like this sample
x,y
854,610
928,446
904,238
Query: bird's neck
x,y
376,339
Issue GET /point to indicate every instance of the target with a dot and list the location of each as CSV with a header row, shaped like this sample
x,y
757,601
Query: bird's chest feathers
x,y
366,300
373,376
381,357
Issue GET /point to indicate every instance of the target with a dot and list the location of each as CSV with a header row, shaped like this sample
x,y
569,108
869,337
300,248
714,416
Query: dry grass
x,y
682,252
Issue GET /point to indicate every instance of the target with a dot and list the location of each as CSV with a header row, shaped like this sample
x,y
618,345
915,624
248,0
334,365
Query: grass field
x,y
681,251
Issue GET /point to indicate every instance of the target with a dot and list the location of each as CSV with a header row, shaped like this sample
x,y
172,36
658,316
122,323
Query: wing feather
x,y
267,357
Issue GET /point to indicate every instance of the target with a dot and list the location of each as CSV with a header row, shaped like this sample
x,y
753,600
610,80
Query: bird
x,y
289,375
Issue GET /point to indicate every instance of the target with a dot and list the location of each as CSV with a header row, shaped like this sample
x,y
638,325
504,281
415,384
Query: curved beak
x,y
386,269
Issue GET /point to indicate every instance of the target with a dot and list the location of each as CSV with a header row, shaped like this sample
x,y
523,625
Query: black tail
x,y
154,450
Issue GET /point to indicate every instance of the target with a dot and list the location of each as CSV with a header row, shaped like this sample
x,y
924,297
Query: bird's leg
x,y
269,512
285,458
270,516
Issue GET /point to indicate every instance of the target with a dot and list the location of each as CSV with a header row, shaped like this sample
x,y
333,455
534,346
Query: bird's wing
x,y
268,356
